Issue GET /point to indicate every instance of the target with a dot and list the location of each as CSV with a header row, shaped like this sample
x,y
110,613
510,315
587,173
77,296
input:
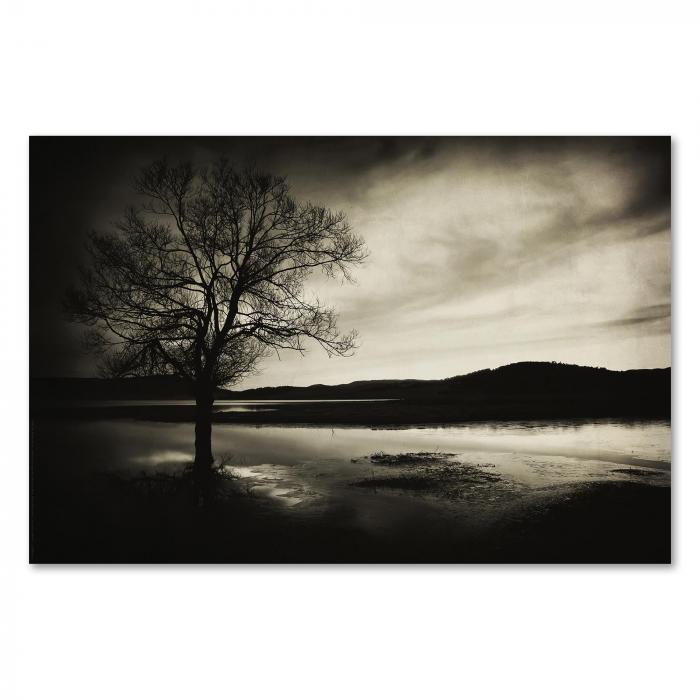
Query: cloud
x,y
473,227
483,250
643,316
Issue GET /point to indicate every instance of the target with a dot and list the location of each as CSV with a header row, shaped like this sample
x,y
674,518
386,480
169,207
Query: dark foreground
x,y
110,519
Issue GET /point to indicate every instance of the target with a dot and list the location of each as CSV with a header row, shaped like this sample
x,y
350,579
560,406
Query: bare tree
x,y
206,276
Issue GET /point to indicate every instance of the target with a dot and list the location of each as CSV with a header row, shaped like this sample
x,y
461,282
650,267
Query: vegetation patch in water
x,y
635,472
433,474
407,459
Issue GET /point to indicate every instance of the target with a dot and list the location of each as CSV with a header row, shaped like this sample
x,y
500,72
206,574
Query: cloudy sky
x,y
483,251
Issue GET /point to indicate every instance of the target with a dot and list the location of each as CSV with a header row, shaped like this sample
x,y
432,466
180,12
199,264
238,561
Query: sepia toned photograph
x,y
337,350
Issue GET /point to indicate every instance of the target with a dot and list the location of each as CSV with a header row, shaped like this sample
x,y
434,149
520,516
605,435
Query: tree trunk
x,y
202,429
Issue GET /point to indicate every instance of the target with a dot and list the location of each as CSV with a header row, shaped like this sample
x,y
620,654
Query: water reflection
x,y
300,465
319,494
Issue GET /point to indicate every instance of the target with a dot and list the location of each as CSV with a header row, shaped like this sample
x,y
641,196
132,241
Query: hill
x,y
521,391
518,379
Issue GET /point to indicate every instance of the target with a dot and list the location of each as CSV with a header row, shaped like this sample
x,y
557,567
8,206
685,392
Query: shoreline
x,y
395,414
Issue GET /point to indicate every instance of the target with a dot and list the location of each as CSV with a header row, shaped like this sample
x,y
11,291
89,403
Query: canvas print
x,y
350,350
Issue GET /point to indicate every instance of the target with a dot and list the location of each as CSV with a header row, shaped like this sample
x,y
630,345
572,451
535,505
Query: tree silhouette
x,y
206,276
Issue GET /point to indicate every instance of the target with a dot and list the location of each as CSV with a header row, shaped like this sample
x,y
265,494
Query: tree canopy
x,y
207,274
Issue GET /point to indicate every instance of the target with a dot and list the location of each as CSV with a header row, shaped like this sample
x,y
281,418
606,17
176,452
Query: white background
x,y
353,67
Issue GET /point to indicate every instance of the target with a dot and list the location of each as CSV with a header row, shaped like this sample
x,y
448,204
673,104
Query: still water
x,y
220,405
298,467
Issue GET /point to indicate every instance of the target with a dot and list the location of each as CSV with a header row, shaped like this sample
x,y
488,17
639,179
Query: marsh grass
x,y
430,473
631,471
219,482
408,459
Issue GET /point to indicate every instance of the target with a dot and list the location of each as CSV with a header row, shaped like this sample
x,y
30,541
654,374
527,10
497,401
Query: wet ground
x,y
482,492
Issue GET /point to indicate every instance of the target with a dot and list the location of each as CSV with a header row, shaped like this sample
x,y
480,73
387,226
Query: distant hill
x,y
531,379
521,391
136,388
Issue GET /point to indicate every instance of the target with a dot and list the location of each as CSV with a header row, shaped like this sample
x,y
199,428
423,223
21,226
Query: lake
x,y
314,463
420,486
